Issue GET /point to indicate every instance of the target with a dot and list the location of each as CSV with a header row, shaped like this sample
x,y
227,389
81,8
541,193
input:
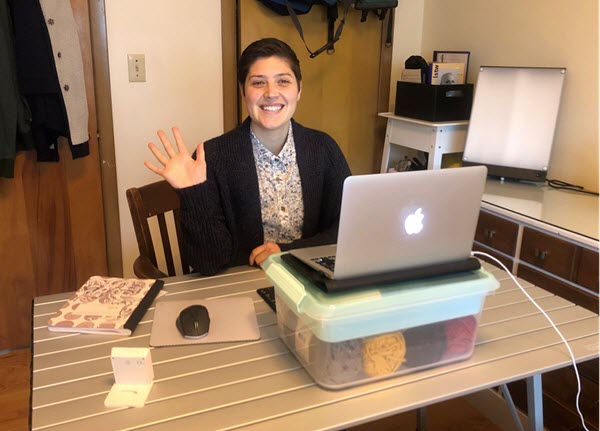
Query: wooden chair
x,y
155,200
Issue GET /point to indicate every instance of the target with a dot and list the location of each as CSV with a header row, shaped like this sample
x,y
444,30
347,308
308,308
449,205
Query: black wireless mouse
x,y
193,322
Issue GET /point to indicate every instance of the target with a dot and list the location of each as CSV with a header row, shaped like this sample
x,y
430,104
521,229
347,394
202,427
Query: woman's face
x,y
271,93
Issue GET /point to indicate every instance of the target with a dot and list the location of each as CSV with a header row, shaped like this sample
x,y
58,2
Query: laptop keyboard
x,y
325,261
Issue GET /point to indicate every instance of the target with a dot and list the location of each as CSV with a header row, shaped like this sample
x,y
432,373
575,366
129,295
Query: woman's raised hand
x,y
179,168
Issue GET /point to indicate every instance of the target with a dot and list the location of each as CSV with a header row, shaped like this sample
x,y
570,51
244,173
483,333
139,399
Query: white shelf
x,y
424,122
436,139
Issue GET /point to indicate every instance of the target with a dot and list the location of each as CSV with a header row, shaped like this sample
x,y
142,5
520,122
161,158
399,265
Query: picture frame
x,y
453,57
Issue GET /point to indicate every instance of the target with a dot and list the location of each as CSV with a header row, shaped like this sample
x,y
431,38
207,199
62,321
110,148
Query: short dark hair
x,y
264,48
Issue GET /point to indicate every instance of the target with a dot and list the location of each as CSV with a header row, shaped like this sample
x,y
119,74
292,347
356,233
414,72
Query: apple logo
x,y
413,223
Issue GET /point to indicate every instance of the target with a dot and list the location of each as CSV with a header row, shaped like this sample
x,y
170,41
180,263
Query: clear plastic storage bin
x,y
348,338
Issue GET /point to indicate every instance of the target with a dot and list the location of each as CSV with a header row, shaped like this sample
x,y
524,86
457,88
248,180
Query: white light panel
x,y
514,117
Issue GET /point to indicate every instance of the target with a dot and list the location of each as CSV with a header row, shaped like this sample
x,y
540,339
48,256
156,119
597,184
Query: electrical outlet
x,y
137,67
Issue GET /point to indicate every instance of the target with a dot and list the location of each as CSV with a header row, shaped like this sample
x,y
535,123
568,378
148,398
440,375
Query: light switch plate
x,y
136,64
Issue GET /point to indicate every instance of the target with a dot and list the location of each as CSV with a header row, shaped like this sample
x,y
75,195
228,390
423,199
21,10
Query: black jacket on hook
x,y
39,81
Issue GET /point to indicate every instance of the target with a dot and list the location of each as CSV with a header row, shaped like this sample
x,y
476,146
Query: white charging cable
x,y
475,253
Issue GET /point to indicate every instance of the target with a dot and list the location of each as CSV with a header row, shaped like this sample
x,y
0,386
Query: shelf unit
x,y
406,136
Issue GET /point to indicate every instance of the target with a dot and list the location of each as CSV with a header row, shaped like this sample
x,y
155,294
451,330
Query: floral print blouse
x,y
280,190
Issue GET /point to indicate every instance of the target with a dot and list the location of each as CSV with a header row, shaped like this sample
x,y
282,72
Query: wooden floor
x,y
14,390
453,415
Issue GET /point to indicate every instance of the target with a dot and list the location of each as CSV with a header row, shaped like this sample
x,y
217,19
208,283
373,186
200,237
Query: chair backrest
x,y
156,200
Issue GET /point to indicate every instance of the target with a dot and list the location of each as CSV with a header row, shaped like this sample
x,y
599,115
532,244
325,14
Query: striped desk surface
x,y
261,386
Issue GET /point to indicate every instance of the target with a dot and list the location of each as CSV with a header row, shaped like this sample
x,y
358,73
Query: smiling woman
x,y
267,186
271,91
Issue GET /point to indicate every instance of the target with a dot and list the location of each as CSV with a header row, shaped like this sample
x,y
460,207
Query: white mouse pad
x,y
231,319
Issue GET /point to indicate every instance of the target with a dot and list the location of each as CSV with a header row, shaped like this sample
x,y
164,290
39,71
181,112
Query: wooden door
x,y
52,237
343,92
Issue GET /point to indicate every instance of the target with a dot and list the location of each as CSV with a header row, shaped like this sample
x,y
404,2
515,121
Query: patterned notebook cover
x,y
106,306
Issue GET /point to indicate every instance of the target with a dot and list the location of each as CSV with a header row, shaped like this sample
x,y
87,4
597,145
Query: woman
x,y
267,186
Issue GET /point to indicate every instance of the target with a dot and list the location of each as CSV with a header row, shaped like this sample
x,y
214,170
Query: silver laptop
x,y
395,221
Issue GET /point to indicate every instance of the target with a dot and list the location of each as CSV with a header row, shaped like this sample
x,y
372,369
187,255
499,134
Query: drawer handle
x,y
540,254
489,233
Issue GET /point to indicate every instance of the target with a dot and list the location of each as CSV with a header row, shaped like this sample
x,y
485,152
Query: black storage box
x,y
434,102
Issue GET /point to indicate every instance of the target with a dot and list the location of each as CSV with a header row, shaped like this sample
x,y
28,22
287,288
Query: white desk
x,y
436,139
561,212
260,385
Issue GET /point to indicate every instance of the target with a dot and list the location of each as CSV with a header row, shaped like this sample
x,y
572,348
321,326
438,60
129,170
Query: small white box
x,y
132,366
411,75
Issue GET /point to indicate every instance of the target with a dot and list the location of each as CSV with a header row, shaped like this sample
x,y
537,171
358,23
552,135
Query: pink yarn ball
x,y
460,336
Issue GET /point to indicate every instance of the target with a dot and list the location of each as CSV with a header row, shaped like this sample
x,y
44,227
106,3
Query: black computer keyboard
x,y
326,262
268,295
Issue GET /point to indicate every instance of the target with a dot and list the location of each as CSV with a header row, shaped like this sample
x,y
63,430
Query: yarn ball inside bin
x,y
342,362
383,354
460,336
425,344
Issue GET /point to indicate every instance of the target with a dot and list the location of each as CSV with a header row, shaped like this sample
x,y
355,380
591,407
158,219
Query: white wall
x,y
529,33
181,40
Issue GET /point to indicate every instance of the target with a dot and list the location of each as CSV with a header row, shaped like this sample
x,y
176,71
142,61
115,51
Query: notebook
x,y
106,305
403,222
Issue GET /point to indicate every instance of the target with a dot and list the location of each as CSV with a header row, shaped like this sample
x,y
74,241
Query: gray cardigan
x,y
221,218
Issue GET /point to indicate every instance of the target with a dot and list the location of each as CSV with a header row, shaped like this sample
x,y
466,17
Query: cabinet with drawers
x,y
497,233
587,270
559,392
498,237
559,265
555,260
548,253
